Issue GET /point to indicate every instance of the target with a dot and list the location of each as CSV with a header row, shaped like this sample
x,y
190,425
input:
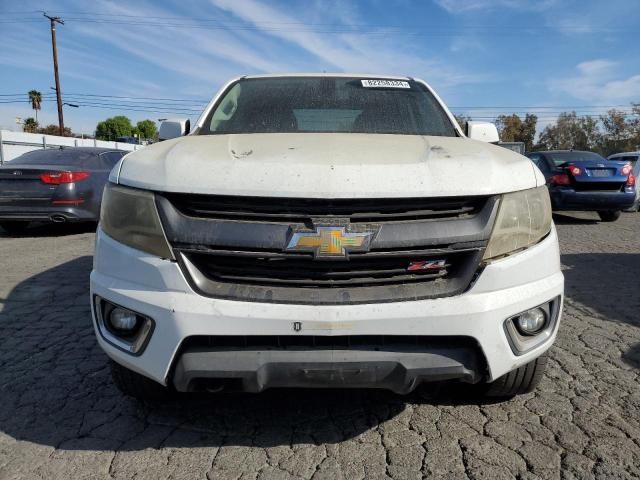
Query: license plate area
x,y
600,172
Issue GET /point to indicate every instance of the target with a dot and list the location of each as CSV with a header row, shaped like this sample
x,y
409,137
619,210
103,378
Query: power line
x,y
187,106
492,28
199,100
139,98
138,105
470,107
542,106
329,28
197,109
193,106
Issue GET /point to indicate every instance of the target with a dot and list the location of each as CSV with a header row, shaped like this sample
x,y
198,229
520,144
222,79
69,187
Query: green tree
x,y
30,125
462,121
114,127
54,130
570,132
35,97
147,129
620,131
512,128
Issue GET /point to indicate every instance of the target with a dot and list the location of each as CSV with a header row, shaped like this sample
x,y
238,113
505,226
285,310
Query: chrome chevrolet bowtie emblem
x,y
330,241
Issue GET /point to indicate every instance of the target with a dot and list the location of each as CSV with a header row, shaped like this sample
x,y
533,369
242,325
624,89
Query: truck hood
x,y
327,165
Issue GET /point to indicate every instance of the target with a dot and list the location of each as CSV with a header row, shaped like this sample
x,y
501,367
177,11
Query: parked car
x,y
632,158
61,185
585,181
326,230
131,140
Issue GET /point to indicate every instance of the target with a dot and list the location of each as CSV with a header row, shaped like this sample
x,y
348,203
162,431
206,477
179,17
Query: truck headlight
x,y
524,218
129,216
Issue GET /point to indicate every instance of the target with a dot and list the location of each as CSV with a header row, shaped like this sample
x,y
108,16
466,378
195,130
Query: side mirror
x,y
483,131
174,128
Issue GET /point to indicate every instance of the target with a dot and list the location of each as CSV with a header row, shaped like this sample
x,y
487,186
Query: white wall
x,y
14,144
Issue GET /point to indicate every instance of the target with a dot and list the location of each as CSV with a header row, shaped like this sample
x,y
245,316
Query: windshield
x,y
559,158
328,104
625,158
70,156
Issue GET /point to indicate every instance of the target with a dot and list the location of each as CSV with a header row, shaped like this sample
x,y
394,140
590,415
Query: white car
x,y
326,230
632,158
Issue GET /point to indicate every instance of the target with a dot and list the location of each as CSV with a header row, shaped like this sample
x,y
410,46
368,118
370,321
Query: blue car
x,y
584,181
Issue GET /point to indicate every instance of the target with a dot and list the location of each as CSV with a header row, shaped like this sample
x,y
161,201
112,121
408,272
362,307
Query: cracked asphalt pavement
x,y
62,418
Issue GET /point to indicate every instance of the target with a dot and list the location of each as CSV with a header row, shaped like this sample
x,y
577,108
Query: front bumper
x,y
47,213
157,288
569,199
399,369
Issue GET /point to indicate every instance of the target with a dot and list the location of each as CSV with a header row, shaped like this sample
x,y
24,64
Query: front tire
x,y
137,386
13,227
609,216
519,381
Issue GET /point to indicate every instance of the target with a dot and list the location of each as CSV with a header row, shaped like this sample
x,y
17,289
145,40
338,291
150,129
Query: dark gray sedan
x,y
62,185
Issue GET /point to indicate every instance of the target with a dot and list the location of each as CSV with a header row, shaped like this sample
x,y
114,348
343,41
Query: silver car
x,y
632,158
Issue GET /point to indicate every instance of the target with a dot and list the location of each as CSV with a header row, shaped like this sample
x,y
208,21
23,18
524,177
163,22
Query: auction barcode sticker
x,y
385,84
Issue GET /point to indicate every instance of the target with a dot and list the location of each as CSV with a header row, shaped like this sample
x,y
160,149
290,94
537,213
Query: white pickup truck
x,y
326,230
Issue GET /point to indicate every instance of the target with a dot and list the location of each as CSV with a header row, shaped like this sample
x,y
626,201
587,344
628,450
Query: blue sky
x,y
547,55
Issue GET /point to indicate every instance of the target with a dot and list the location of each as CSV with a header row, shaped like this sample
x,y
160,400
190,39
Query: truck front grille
x,y
424,248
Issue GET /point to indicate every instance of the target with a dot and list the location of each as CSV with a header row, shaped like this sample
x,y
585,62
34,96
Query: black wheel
x,y
138,386
609,216
14,227
521,380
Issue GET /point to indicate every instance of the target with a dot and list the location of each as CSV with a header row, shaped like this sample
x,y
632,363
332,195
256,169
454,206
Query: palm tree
x,y
35,97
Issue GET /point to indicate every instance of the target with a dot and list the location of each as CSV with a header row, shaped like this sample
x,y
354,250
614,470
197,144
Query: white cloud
x,y
566,17
201,53
327,48
595,68
345,52
464,6
600,81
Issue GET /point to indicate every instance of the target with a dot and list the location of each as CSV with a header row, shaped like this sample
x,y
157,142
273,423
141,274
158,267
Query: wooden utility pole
x,y
53,21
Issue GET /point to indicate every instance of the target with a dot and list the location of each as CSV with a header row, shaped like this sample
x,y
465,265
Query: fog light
x,y
531,321
122,319
123,328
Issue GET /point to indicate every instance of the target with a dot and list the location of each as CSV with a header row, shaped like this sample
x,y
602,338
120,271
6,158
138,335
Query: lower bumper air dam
x,y
255,370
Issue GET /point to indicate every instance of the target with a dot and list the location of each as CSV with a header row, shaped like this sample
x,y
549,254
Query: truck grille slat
x,y
300,209
402,252
305,272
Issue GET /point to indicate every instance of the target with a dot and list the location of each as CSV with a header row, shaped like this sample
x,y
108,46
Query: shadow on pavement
x,y
632,356
56,388
606,283
52,230
566,218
